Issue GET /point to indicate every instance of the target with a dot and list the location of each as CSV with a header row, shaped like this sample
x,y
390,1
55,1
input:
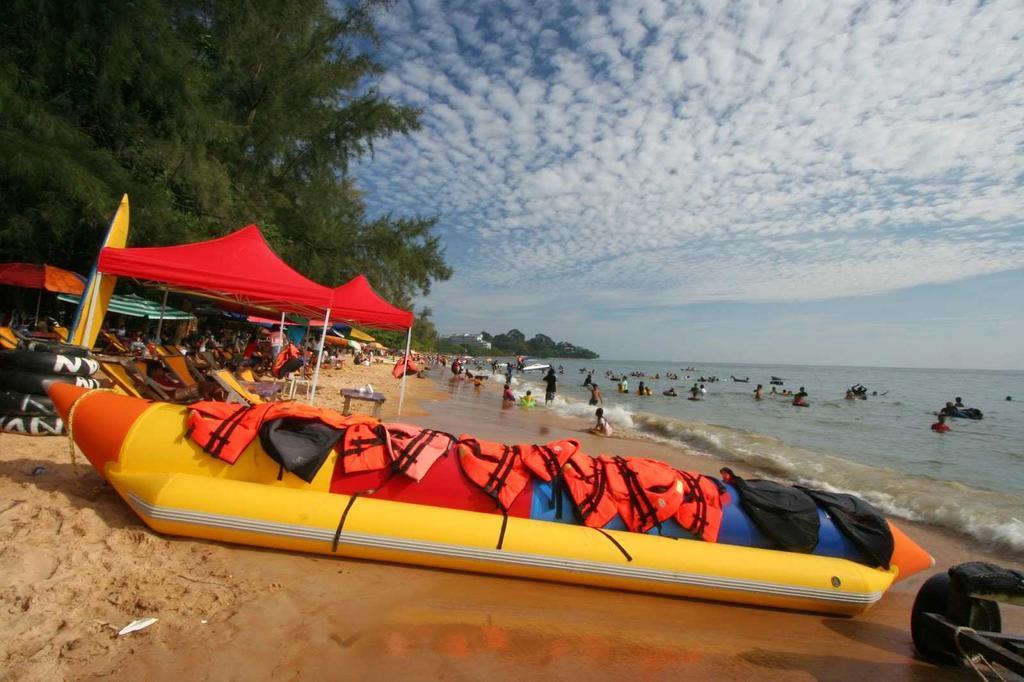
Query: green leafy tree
x,y
210,114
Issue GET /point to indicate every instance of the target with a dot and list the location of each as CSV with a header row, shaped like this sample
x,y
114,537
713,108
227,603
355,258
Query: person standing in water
x,y
595,395
589,380
798,399
941,426
552,382
759,392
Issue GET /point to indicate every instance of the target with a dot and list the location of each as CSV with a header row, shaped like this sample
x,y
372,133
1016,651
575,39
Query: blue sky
x,y
807,182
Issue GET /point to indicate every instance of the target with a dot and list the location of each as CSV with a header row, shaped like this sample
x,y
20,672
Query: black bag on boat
x,y
299,445
859,521
786,515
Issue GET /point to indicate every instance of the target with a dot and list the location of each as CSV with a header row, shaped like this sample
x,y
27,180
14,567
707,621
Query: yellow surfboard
x,y
92,307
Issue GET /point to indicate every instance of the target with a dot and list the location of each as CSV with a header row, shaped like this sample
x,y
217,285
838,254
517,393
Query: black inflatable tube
x,y
39,362
27,382
50,425
13,402
55,347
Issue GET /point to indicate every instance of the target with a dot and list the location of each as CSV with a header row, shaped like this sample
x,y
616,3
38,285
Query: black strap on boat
x,y
499,475
696,496
357,445
221,435
415,447
341,522
554,471
588,505
616,543
638,499
504,524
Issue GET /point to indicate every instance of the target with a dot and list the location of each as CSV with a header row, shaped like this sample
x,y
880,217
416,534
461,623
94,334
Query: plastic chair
x,y
8,338
178,366
237,393
126,379
113,343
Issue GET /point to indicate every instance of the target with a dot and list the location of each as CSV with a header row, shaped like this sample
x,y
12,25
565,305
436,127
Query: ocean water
x,y
970,480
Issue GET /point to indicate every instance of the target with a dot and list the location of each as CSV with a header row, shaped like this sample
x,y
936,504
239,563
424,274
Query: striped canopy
x,y
136,306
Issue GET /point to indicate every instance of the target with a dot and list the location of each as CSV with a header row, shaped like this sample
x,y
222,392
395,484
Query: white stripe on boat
x,y
497,556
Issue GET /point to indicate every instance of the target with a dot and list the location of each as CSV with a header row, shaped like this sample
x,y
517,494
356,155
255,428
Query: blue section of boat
x,y
737,528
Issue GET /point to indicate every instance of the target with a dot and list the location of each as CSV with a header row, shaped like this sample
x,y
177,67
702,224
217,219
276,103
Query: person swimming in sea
x,y
799,398
759,392
695,392
528,400
941,426
671,392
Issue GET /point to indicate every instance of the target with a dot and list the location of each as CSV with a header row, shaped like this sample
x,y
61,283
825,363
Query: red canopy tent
x,y
242,269
356,301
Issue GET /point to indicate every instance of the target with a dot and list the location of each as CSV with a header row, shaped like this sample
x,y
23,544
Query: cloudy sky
x,y
822,182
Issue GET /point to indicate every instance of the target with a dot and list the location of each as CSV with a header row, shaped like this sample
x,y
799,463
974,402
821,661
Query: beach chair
x,y
245,374
8,338
210,359
113,344
126,379
237,393
178,366
121,380
196,368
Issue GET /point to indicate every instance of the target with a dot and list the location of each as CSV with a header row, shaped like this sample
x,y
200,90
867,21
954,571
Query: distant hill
x,y
514,342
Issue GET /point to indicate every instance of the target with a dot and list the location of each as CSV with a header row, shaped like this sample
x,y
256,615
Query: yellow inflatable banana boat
x,y
142,449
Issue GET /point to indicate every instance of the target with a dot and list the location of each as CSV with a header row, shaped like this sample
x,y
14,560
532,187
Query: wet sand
x,y
80,565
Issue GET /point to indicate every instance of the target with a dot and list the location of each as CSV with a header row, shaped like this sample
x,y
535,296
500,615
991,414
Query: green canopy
x,y
135,306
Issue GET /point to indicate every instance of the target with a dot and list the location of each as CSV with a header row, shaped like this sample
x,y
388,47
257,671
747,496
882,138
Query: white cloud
x,y
704,152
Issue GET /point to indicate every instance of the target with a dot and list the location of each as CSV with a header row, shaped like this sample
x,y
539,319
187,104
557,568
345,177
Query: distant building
x,y
471,341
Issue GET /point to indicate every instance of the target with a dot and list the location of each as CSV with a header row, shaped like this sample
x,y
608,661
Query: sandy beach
x,y
79,565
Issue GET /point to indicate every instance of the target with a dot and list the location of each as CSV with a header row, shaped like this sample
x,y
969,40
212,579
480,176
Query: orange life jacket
x,y
498,469
646,491
546,461
225,430
701,509
417,449
365,447
588,487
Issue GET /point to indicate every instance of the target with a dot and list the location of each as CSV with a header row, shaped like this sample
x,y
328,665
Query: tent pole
x,y
160,324
401,392
39,301
319,357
